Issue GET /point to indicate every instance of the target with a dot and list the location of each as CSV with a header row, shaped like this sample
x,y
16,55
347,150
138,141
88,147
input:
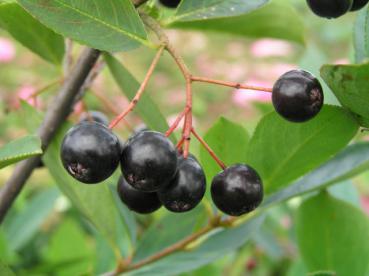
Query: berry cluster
x,y
156,173
335,8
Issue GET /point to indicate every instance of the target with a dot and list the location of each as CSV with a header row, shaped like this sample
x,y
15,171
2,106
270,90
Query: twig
x,y
231,84
140,91
176,122
55,116
210,151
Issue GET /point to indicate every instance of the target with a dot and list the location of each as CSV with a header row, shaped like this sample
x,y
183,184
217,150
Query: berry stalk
x,y
140,91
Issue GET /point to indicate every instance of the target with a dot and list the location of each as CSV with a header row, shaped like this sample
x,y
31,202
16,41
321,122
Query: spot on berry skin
x,y
77,170
179,206
316,98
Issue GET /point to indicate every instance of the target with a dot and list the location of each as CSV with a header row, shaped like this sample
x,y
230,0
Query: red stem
x,y
176,122
140,91
210,151
232,84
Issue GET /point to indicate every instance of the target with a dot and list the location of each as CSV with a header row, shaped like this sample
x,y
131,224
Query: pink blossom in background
x,y
78,107
7,50
342,61
24,93
270,48
278,70
245,98
365,204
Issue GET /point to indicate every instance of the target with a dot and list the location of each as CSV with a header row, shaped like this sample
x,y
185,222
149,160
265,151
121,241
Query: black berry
x,y
149,161
330,8
187,188
94,116
90,152
358,4
237,190
137,201
170,3
297,96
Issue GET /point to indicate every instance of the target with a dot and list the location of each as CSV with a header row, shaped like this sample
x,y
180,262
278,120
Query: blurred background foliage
x,y
45,235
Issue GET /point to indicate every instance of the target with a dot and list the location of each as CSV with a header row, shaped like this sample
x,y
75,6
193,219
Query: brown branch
x,y
140,91
231,84
54,117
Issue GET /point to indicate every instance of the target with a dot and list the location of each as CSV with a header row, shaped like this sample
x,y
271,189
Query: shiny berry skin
x,y
330,8
170,3
358,4
90,152
95,116
237,190
297,96
187,188
137,201
149,161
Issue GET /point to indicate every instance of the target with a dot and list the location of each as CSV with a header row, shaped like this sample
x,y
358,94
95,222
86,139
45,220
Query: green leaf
x,y
286,24
349,83
217,245
352,161
110,25
167,231
190,10
146,108
19,149
5,270
67,244
333,236
282,151
28,221
223,138
31,33
361,32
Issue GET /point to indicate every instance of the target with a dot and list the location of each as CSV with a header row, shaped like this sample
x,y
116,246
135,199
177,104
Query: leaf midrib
x,y
117,29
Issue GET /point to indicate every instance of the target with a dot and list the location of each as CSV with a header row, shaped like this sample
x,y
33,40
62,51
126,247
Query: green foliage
x,y
19,149
5,270
335,240
222,138
31,33
350,85
286,23
111,25
190,10
146,108
28,221
352,161
282,151
361,33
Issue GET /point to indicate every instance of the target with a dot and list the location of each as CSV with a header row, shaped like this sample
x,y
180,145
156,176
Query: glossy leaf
x,y
19,149
333,236
350,85
165,232
229,142
216,246
352,161
361,33
28,221
282,151
199,10
110,25
286,24
31,33
146,108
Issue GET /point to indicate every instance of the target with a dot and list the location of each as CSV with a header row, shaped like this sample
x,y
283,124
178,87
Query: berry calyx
x,y
149,161
297,96
90,152
358,4
137,201
94,116
330,8
170,3
187,188
237,190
